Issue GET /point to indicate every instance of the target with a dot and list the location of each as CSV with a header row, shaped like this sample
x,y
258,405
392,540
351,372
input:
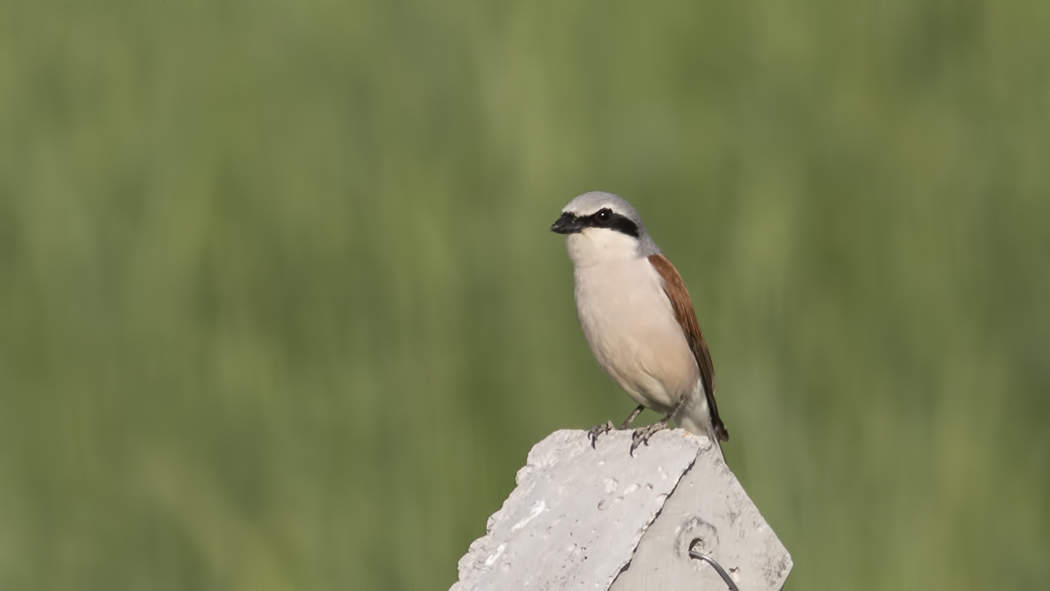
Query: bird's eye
x,y
603,215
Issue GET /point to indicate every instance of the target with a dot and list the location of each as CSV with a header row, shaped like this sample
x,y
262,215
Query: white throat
x,y
595,246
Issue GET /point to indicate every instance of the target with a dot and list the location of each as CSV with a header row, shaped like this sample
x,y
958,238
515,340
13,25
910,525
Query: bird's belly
x,y
632,332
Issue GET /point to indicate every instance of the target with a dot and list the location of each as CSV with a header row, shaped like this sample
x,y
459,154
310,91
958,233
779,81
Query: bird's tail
x,y
695,417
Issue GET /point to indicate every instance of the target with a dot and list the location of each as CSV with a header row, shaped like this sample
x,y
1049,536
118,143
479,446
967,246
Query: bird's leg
x,y
598,430
631,418
642,435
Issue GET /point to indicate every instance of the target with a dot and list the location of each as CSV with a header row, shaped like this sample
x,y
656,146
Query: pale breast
x,y
632,331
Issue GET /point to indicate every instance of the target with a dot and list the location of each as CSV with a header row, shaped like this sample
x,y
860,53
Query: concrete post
x,y
601,519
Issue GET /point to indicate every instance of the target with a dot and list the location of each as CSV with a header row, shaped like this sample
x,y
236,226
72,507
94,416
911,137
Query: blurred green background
x,y
279,307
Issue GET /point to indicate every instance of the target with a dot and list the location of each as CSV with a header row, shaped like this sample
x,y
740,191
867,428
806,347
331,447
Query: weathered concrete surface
x,y
578,515
710,505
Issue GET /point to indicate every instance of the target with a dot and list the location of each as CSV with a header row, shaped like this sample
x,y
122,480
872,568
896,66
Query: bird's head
x,y
601,227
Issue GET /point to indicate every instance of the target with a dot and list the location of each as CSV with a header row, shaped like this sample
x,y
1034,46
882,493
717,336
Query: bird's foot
x,y
642,435
594,432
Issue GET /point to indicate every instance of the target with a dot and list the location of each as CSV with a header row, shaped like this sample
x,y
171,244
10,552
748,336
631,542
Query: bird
x,y
638,319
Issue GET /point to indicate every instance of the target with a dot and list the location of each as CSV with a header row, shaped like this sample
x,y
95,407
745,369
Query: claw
x,y
642,435
594,432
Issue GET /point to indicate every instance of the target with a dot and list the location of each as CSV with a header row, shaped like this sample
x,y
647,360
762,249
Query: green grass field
x,y
279,306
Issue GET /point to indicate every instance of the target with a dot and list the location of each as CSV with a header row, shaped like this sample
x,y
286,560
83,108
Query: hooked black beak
x,y
567,224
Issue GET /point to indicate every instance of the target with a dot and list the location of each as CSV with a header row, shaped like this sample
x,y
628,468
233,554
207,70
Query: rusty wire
x,y
714,563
